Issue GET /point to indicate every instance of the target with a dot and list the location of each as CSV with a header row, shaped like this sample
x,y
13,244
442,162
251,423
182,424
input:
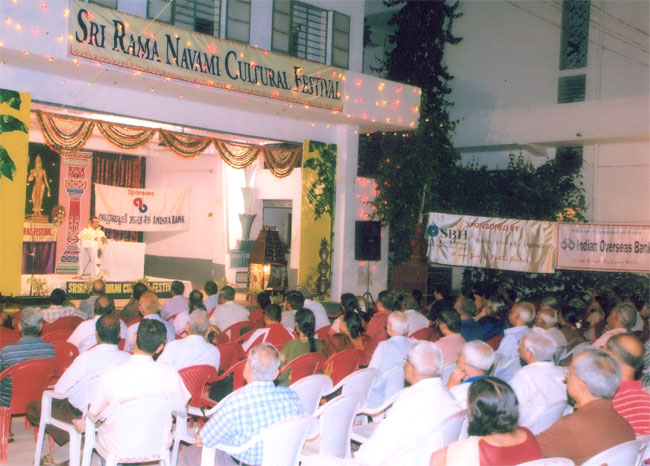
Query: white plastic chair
x,y
547,418
143,431
645,456
359,381
311,389
335,420
47,419
390,382
628,453
502,365
555,461
282,442
447,369
361,433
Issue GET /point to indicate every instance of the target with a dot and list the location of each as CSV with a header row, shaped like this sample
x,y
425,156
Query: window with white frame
x,y
238,20
197,15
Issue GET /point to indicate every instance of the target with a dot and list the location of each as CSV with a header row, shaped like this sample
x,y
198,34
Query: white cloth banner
x,y
494,243
142,209
585,246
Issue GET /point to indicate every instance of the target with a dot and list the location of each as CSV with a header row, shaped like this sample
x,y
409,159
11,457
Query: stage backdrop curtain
x,y
124,171
38,258
237,155
281,162
185,145
125,137
64,133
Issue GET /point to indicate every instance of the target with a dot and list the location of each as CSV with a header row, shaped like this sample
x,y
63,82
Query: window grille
x,y
340,40
571,89
196,15
106,3
238,19
575,34
308,38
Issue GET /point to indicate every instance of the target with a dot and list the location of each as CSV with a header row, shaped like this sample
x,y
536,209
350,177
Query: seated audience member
x,y
416,321
257,315
441,301
390,353
305,343
57,310
595,426
182,318
376,329
85,335
620,320
419,299
87,306
569,317
78,381
640,329
149,307
480,294
192,350
521,317
293,302
473,364
212,292
547,319
228,312
253,407
452,342
273,330
539,383
351,335
630,401
132,308
320,314
495,438
30,346
469,328
418,410
139,376
177,303
349,303
596,312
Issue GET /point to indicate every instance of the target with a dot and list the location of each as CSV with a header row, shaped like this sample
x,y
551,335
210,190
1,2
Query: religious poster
x,y
111,36
614,248
494,243
142,209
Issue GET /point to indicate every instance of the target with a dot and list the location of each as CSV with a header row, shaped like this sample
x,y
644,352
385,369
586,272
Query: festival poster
x,y
494,243
142,209
614,248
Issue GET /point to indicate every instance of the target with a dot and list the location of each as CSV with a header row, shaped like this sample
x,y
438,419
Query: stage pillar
x,y
14,138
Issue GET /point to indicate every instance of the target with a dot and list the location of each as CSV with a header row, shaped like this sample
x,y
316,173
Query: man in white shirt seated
x,y
416,320
390,353
621,319
293,302
322,319
180,320
416,412
57,310
547,319
228,312
85,335
212,292
539,383
177,304
149,307
192,350
79,380
521,318
474,363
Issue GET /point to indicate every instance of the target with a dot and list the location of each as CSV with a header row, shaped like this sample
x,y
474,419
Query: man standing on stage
x,y
89,252
93,232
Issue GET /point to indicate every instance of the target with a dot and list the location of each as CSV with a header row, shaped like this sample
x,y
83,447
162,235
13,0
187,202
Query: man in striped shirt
x,y
630,401
30,346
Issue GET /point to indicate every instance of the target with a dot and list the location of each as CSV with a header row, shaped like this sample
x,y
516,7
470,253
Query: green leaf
x,y
9,123
11,98
7,166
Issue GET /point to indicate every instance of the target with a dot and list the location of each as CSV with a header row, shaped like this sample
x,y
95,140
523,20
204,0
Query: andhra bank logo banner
x,y
142,209
110,36
495,243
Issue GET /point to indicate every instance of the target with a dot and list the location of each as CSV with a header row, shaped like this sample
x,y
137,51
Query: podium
x,y
88,261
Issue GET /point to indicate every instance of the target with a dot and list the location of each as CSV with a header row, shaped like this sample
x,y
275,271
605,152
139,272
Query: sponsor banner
x,y
79,290
110,36
142,209
494,243
616,248
39,232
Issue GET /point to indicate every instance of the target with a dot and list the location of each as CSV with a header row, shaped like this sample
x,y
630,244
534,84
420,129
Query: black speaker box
x,y
367,241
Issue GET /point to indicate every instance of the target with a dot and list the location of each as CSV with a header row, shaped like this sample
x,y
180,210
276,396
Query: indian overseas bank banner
x,y
142,209
494,243
624,248
110,36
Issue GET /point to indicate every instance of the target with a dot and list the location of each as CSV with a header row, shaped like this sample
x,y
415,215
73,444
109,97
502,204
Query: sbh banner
x,y
110,36
142,209
495,243
617,248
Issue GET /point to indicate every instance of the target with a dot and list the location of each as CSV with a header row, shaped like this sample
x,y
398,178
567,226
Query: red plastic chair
x,y
342,364
8,336
61,334
495,341
64,355
121,343
323,334
423,334
70,322
29,381
303,366
230,353
195,379
134,320
237,370
236,329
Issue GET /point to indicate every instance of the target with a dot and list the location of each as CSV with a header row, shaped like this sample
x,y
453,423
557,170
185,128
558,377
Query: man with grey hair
x,y
621,319
415,318
85,335
473,363
469,328
595,426
228,312
253,407
322,319
539,383
521,318
418,409
30,346
390,353
547,319
192,350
